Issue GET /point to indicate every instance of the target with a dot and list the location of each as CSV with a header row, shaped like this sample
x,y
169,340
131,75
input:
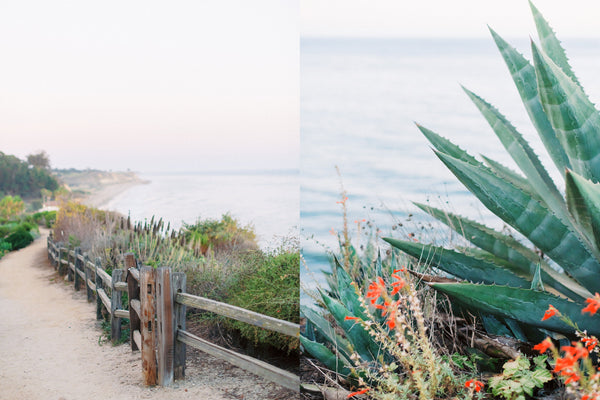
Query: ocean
x,y
360,99
267,200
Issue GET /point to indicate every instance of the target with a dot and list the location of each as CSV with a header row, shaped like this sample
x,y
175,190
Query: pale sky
x,y
445,18
151,85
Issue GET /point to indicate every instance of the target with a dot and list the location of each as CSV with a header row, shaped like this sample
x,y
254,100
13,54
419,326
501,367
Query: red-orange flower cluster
x,y
476,385
593,396
590,343
593,304
565,365
399,284
550,312
376,289
544,345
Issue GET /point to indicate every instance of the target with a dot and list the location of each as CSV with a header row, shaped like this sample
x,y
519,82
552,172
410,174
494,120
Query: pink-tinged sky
x,y
151,85
445,18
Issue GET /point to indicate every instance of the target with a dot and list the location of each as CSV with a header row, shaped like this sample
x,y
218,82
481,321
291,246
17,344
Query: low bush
x,y
19,239
270,287
46,218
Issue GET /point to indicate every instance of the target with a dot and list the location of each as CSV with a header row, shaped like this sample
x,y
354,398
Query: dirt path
x,y
50,347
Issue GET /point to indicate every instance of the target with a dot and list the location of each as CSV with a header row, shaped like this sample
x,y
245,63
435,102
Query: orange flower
x,y
590,343
375,290
577,351
393,309
363,391
399,284
476,385
402,269
565,363
550,312
593,304
347,318
544,345
572,377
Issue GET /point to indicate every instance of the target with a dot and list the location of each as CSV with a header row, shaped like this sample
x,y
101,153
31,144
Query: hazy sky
x,y
445,18
151,85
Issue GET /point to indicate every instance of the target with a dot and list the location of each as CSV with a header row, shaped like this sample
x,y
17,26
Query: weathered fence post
x,y
48,241
178,286
99,285
133,292
86,271
115,304
147,298
76,263
164,322
60,256
69,271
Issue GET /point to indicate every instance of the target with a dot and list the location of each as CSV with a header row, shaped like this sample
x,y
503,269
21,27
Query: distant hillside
x,y
19,178
90,181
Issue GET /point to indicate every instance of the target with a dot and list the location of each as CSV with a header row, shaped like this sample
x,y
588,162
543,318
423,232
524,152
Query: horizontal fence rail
x,y
156,310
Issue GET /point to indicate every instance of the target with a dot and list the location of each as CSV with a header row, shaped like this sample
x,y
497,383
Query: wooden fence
x,y
157,315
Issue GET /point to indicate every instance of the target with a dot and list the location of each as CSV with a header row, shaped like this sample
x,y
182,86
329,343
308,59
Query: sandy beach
x,y
96,188
100,197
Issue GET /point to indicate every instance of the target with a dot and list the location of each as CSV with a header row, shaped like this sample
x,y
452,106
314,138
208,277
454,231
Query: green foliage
x,y
46,218
270,288
18,177
564,229
5,247
19,239
218,235
355,337
222,276
518,380
11,207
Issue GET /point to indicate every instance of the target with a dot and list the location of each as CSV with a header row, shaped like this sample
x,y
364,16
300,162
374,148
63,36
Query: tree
x,y
40,160
11,206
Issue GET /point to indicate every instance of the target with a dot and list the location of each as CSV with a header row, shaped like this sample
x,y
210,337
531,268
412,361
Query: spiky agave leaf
x,y
523,75
531,219
461,265
583,198
523,305
572,115
551,44
508,249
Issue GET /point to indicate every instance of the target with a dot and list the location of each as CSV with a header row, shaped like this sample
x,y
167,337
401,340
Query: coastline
x,y
97,188
100,197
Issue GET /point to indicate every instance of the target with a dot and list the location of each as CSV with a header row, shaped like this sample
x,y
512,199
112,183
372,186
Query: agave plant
x,y
499,276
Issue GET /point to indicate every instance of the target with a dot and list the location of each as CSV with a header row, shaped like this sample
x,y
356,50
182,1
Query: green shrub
x,y
272,288
219,235
5,247
45,218
19,239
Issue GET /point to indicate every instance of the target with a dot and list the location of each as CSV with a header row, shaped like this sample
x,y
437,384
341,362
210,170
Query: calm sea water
x,y
267,200
359,102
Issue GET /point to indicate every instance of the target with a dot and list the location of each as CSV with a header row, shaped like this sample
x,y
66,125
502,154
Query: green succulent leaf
x,y
513,177
460,265
509,249
531,219
335,363
551,44
583,198
523,155
445,146
525,305
328,332
348,295
523,75
572,115
362,343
